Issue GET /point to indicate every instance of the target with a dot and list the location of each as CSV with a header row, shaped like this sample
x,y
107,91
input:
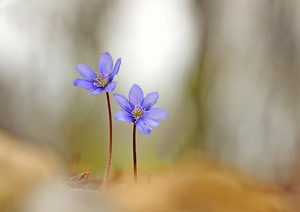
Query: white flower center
x,y
100,81
138,112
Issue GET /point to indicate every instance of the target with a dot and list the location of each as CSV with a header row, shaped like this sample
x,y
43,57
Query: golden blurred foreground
x,y
22,168
201,184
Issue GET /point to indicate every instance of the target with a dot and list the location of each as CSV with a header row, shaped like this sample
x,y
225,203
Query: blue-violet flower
x,y
139,109
102,80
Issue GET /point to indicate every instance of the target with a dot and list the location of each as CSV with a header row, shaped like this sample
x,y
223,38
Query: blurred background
x,y
227,72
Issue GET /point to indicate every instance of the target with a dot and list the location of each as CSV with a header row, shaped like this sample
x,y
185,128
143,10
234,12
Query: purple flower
x,y
139,109
97,82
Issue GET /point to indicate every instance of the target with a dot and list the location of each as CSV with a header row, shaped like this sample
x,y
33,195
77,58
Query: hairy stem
x,y
134,153
105,180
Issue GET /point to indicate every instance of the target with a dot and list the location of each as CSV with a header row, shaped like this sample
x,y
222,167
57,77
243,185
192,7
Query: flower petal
x,y
143,127
136,94
123,102
123,116
150,122
105,64
96,91
86,72
115,70
84,84
156,114
110,87
150,100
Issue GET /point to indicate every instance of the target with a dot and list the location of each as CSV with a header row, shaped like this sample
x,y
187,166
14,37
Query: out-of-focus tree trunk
x,y
249,72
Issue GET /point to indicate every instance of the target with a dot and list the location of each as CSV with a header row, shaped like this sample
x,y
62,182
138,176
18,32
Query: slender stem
x,y
134,153
105,180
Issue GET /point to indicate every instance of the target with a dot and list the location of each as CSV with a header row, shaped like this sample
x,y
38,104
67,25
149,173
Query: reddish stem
x,y
134,154
110,142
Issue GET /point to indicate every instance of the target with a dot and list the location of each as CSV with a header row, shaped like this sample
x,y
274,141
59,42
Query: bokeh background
x,y
227,72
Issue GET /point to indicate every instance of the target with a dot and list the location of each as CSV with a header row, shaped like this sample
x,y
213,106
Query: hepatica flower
x,y
97,83
139,109
102,80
